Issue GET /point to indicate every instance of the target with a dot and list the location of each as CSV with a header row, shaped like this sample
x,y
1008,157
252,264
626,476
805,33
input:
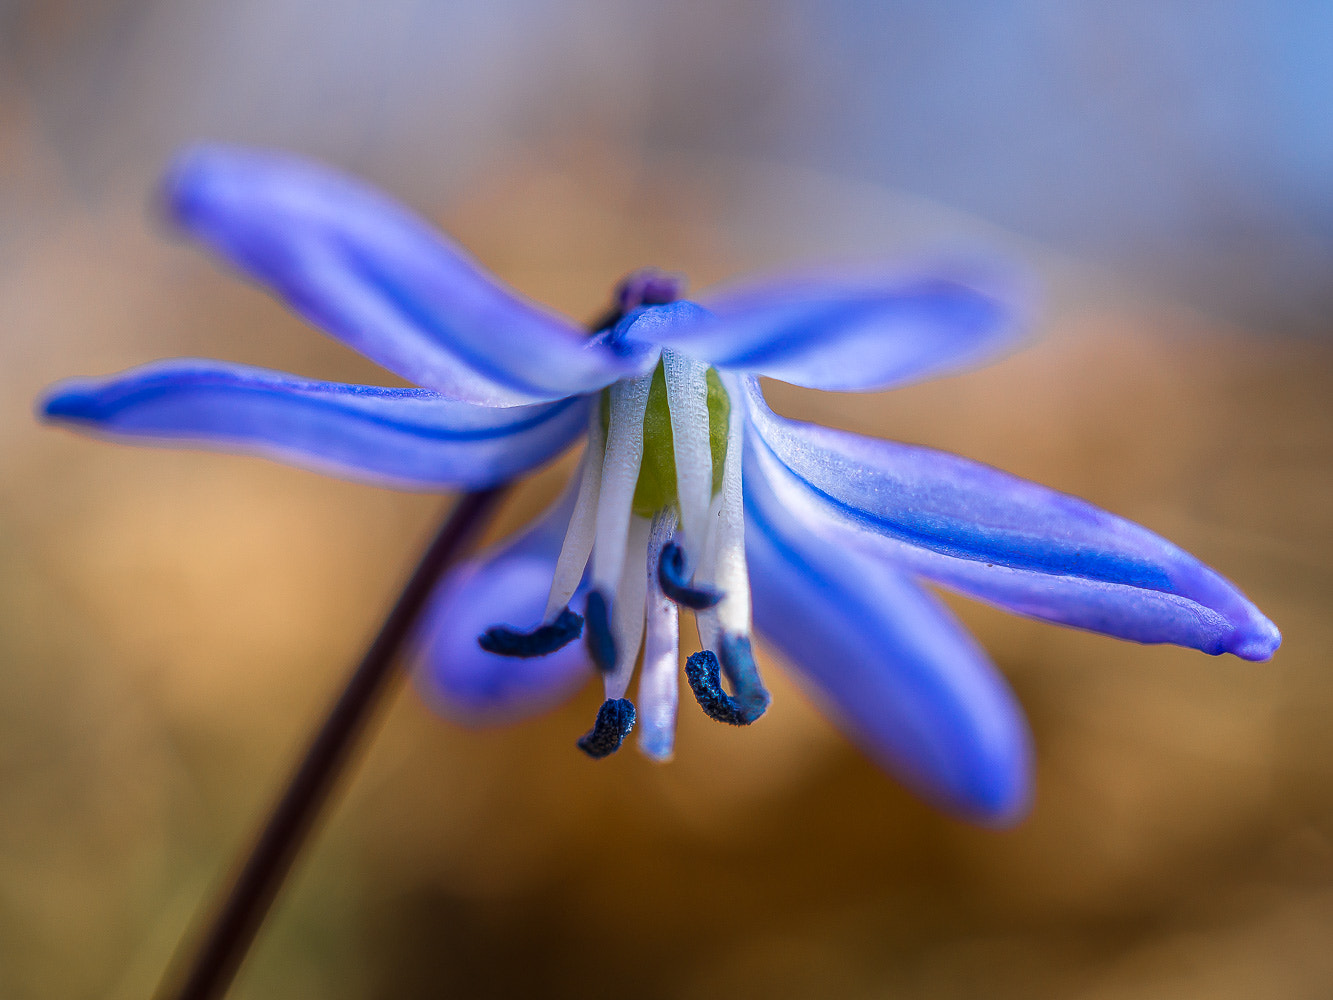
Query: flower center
x,y
657,525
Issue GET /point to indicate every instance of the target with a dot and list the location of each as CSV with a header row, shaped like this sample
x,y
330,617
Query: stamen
x,y
658,678
723,566
614,721
627,612
743,676
705,621
620,473
601,647
582,529
671,578
544,639
703,673
687,403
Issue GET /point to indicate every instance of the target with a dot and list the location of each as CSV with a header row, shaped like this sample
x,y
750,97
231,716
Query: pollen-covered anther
x,y
505,641
614,721
704,674
601,644
671,576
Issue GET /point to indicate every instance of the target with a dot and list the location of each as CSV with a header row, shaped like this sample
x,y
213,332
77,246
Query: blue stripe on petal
x,y
890,662
852,335
507,585
375,276
1002,539
410,438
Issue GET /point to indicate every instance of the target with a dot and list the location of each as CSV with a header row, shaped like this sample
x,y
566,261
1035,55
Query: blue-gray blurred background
x,y
172,623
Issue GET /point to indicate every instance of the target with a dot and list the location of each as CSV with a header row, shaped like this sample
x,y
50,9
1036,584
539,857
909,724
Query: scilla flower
x,y
692,493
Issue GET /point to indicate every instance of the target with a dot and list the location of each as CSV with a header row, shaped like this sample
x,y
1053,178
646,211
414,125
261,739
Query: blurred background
x,y
171,623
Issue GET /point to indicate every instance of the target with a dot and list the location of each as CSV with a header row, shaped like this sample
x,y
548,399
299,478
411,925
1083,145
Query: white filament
x,y
659,677
582,529
687,402
724,556
620,475
628,608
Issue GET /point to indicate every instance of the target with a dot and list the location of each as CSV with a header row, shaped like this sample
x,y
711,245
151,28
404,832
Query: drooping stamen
x,y
560,625
743,676
671,578
687,403
627,611
658,677
582,529
620,473
704,675
542,640
614,721
722,566
601,646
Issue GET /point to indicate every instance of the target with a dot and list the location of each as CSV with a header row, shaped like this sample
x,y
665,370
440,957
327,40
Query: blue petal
x,y
506,585
375,276
404,437
890,662
848,335
1002,539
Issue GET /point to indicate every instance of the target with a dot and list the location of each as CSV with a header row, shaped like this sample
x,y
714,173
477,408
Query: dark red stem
x,y
232,926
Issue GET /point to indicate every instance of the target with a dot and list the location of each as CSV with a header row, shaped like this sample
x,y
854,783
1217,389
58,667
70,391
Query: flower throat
x,y
656,488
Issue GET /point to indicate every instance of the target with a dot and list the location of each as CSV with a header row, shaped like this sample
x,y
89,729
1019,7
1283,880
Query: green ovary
x,y
656,488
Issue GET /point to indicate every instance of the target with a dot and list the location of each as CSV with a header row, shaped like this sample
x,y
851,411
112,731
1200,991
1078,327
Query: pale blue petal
x,y
377,277
891,663
851,335
402,437
1002,539
507,585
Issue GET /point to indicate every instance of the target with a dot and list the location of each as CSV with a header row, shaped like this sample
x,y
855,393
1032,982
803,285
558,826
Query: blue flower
x,y
824,545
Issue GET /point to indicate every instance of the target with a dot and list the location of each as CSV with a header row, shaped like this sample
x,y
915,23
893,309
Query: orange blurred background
x,y
175,622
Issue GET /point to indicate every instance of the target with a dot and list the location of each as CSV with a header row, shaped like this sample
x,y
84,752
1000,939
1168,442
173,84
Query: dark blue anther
x,y
614,721
704,672
743,676
544,639
601,647
671,576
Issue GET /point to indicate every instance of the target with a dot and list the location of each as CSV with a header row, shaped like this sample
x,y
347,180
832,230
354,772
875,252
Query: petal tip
x,y
204,178
993,785
71,400
185,185
1001,796
1256,641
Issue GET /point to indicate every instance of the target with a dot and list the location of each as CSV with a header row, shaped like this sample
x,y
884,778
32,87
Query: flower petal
x,y
404,437
375,276
505,585
1002,539
851,335
890,662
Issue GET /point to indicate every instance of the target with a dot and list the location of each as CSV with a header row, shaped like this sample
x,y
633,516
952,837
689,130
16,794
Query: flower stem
x,y
232,925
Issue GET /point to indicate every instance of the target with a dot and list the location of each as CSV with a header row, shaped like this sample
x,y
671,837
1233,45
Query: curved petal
x,y
906,680
851,335
507,585
403,437
375,276
1002,539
